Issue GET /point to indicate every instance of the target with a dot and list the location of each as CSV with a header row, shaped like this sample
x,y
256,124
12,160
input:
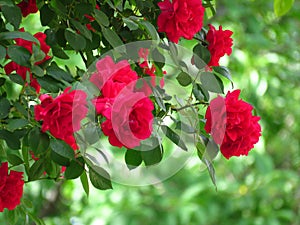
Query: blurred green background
x,y
261,189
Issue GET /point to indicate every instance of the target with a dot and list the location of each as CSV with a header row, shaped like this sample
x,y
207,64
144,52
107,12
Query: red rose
x,y
11,188
22,70
130,120
128,113
28,45
112,77
220,43
62,115
181,18
27,7
232,125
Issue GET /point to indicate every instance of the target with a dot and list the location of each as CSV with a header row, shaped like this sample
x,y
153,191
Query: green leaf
x,y
207,150
159,98
38,141
85,183
11,139
5,107
58,52
223,71
14,124
46,15
174,137
210,82
11,216
2,81
38,71
52,169
76,41
184,79
75,169
152,156
130,24
91,133
82,29
201,56
12,14
2,52
101,18
18,34
59,74
6,3
27,203
61,152
35,219
281,7
59,7
211,170
3,153
99,178
50,84
14,159
84,8
185,127
151,30
19,55
198,93
16,78
133,158
37,54
36,170
158,57
112,38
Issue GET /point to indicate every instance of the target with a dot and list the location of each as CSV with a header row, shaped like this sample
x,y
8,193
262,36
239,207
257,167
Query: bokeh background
x,y
261,189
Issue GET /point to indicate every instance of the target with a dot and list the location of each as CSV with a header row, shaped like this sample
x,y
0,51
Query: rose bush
x,y
135,95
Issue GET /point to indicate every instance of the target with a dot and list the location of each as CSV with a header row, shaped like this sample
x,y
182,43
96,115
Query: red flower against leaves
x,y
62,115
91,19
181,18
220,43
232,125
22,70
11,188
130,119
112,77
128,113
27,7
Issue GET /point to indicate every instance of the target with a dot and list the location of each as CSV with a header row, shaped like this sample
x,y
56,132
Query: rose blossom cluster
x,y
22,70
232,125
62,115
184,18
128,112
180,18
219,44
11,187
